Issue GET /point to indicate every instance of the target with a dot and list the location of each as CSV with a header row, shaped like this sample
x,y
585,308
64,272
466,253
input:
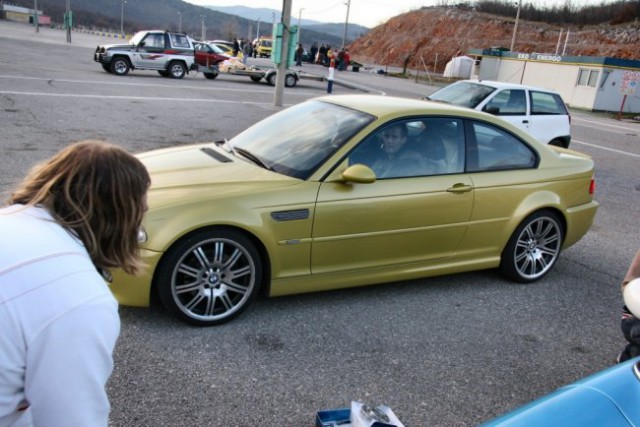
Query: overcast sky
x,y
369,13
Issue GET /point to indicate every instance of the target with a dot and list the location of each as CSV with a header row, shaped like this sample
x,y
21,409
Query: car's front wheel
x,y
176,69
533,248
120,66
210,76
106,67
210,277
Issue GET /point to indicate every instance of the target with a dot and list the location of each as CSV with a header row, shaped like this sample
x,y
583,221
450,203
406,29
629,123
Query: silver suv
x,y
540,112
171,54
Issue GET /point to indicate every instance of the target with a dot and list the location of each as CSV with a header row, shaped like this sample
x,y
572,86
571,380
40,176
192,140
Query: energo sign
x,y
540,57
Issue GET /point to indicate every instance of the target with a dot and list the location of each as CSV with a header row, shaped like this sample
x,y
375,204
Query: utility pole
x,y
515,27
258,29
36,21
179,22
284,54
68,20
122,2
202,36
300,24
346,25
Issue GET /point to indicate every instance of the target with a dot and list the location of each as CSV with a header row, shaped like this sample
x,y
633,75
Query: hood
x,y
117,46
192,169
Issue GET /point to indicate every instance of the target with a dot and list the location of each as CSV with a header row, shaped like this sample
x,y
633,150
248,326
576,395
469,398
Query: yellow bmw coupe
x,y
353,190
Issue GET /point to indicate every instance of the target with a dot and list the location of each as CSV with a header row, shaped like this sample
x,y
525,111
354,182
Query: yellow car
x,y
227,49
353,190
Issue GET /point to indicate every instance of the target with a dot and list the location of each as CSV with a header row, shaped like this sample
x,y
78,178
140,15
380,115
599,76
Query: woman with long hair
x,y
72,219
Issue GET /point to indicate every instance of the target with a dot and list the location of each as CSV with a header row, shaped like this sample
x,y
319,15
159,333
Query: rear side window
x,y
496,149
180,40
547,103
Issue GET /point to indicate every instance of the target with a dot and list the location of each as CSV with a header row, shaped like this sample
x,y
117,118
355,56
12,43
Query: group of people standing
x,y
324,55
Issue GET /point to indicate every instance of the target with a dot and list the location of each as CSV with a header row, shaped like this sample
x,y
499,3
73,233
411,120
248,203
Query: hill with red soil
x,y
431,36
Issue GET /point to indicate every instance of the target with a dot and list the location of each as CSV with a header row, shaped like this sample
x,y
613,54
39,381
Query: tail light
x,y
592,187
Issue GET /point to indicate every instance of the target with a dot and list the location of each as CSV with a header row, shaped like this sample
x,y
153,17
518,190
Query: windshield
x,y
464,94
135,40
296,141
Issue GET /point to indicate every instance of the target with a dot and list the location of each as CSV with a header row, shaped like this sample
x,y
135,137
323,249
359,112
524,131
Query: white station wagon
x,y
540,112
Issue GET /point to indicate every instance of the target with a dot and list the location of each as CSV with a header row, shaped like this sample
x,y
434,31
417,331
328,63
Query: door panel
x,y
389,222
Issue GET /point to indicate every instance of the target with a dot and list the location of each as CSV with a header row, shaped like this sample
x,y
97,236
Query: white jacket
x,y
58,325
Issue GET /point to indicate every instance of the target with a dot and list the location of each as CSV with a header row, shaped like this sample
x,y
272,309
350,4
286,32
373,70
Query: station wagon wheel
x,y
271,79
176,69
210,277
210,76
255,78
290,80
533,248
558,143
120,66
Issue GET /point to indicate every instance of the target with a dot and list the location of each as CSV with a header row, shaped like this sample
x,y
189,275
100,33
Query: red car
x,y
209,56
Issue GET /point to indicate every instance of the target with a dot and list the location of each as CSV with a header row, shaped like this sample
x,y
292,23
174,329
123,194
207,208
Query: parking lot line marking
x,y
138,98
598,124
212,88
626,153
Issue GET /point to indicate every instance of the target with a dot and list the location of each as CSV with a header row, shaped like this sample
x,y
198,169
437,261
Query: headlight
x,y
142,235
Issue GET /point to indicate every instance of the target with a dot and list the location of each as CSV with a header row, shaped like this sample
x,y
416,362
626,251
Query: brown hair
x,y
98,191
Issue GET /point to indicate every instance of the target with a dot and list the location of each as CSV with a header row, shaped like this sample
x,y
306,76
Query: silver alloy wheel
x,y
537,247
213,279
177,70
120,67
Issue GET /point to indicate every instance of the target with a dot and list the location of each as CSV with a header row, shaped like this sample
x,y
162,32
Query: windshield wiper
x,y
251,157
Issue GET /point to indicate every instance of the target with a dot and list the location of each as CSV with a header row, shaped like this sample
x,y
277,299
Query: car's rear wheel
x,y
210,277
290,80
558,142
255,78
210,76
176,69
533,248
120,66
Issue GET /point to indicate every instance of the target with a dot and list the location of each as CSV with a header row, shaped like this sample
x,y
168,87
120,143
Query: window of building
x,y
587,77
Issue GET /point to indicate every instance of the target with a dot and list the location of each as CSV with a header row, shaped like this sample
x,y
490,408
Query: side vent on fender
x,y
290,215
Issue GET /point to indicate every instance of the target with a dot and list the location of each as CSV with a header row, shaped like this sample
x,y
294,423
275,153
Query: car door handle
x,y
525,121
460,188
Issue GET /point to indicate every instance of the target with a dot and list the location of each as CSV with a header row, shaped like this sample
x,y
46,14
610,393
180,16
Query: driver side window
x,y
410,148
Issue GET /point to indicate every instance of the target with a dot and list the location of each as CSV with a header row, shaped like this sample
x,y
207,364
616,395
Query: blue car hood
x,y
609,398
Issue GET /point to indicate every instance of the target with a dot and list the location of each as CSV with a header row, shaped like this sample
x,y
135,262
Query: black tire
x,y
120,66
533,248
176,69
290,80
210,76
163,73
271,79
558,143
106,67
210,277
255,78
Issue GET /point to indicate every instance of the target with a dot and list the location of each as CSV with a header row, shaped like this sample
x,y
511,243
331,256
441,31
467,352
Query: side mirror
x,y
492,110
142,44
359,173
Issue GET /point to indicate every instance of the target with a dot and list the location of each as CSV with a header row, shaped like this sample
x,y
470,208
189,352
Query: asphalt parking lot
x,y
447,351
